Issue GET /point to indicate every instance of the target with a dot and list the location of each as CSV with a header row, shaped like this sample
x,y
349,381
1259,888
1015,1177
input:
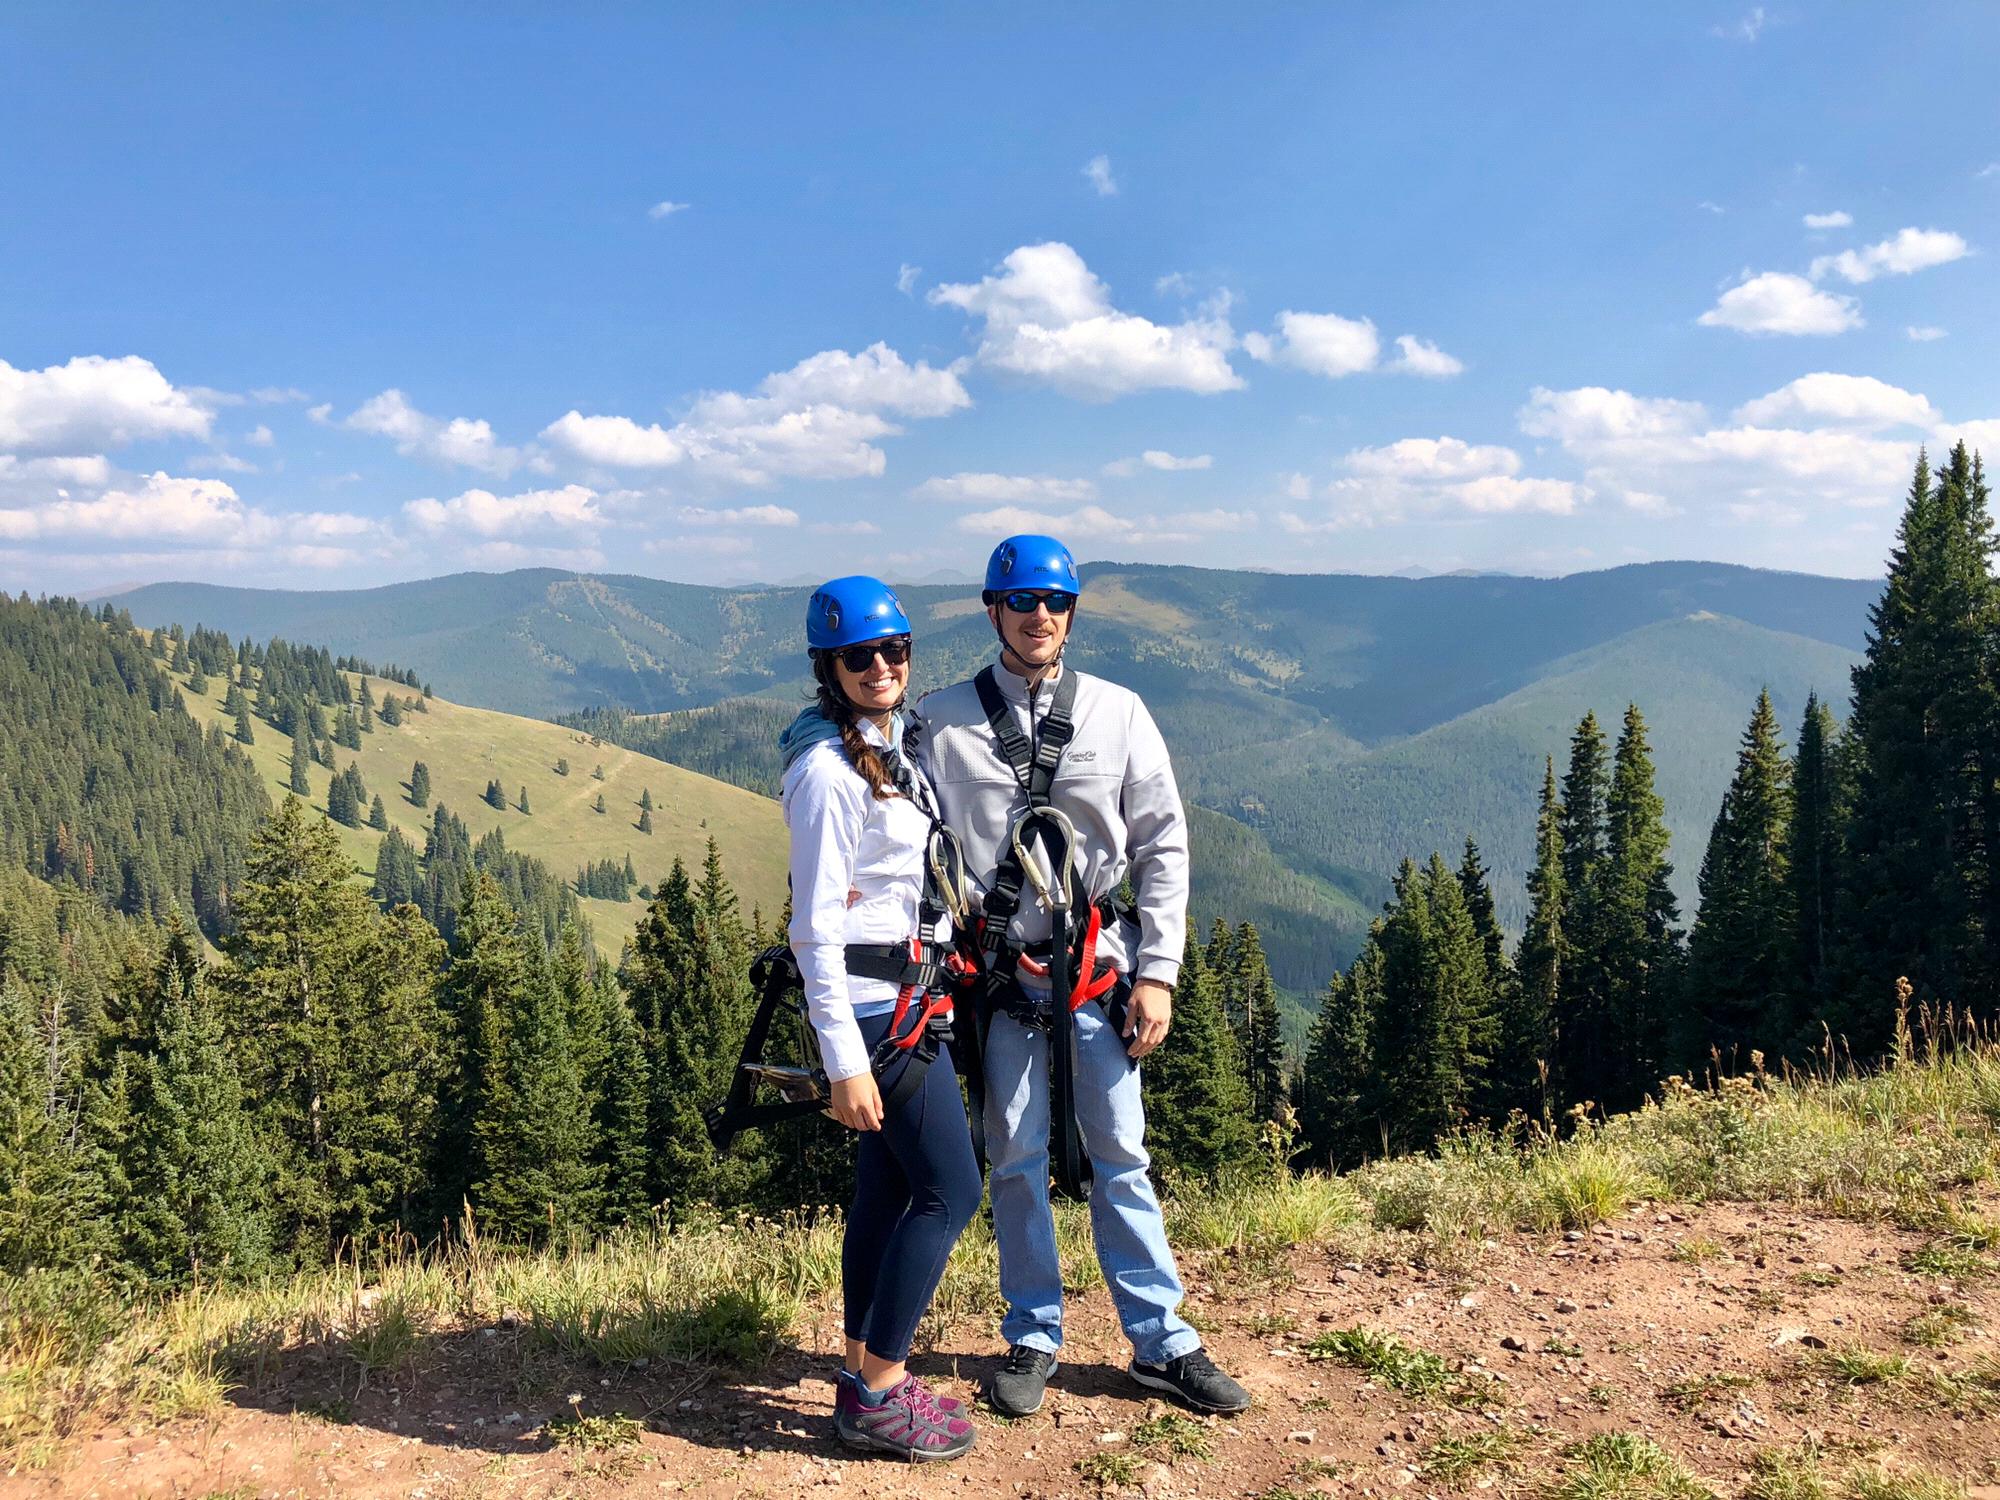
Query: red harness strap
x,y
935,1005
1094,982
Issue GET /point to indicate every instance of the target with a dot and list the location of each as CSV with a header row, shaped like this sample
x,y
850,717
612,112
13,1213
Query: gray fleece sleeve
x,y
1156,844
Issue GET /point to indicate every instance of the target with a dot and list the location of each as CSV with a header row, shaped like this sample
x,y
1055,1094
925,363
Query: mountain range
x,y
1333,724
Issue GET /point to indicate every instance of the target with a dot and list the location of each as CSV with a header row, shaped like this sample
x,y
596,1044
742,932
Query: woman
x,y
860,819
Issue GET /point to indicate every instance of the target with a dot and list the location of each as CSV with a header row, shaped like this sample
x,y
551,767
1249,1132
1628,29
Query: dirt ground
x,y
1717,1333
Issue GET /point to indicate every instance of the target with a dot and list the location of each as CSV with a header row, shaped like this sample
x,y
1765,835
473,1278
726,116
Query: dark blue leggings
x,y
916,1187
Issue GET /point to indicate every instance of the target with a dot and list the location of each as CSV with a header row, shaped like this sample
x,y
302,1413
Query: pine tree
x,y
378,815
535,1136
340,802
622,1094
486,984
1740,953
598,805
715,898
1641,952
522,801
392,714
1260,1042
420,785
1812,859
646,799
50,1199
1582,1022
301,785
1497,1084
1197,1108
562,766
597,772
245,735
1528,1044
496,797
1434,1021
1923,865
199,1173
1339,1084
645,822
197,680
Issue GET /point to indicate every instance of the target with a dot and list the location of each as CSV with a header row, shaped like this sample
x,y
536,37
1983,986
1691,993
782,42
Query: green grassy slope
x,y
465,747
1695,679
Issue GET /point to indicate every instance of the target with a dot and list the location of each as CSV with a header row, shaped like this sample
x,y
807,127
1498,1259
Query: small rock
x,y
1300,1435
1565,1305
1574,1236
1403,1478
1513,1341
1109,1438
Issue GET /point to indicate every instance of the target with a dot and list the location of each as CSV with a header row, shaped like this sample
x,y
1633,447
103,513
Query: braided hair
x,y
839,712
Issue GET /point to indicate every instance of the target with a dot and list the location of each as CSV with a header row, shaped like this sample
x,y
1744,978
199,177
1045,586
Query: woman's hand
x,y
857,1102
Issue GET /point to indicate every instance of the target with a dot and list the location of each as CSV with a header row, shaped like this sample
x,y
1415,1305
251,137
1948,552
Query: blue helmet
x,y
848,611
1032,562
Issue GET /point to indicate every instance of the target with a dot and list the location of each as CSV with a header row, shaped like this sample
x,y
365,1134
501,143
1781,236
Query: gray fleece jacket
x,y
1115,782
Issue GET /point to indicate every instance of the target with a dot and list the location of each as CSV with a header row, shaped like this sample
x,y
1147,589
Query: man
x,y
1030,733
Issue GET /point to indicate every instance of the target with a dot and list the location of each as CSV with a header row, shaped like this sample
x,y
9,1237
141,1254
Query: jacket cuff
x,y
1166,970
841,1049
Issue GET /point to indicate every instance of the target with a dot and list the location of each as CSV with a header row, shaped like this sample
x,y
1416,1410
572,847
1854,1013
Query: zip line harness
x,y
981,965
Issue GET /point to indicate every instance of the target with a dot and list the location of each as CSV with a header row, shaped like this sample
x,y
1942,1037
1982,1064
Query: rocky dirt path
x,y
1718,1335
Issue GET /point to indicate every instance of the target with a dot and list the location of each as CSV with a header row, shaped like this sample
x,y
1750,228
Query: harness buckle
x,y
1054,887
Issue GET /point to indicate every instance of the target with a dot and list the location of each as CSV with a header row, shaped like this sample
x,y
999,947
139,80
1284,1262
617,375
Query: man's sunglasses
x,y
894,651
1025,602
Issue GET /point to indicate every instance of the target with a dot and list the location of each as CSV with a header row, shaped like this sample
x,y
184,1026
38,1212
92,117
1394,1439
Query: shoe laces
x,y
921,1399
1022,1359
1196,1362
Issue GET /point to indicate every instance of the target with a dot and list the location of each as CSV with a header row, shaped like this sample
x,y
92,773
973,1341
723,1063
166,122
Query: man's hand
x,y
857,1102
1147,1015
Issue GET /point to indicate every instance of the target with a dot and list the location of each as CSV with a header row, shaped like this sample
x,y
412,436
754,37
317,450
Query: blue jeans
x,y
1125,1219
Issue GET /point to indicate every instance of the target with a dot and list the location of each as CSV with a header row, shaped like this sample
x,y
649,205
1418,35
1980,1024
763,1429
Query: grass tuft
x,y
1390,1362
1109,1471
1900,1484
1176,1434
594,1434
1625,1466
1936,1327
1787,1474
1857,1365
1453,1460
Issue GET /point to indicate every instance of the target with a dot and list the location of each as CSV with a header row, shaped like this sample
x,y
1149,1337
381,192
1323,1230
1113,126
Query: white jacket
x,y
1115,782
857,868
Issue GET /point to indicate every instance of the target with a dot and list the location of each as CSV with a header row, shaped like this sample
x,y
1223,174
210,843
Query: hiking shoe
x,y
949,1405
1016,1387
1194,1380
908,1424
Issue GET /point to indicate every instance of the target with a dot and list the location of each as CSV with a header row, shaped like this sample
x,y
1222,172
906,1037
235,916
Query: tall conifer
x,y
1640,945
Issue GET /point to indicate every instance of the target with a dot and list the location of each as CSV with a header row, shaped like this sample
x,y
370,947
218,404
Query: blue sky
x,y
319,298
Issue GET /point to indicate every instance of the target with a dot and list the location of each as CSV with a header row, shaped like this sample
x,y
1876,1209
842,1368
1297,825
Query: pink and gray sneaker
x,y
949,1405
911,1422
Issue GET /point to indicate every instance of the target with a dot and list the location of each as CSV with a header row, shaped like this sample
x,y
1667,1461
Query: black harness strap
x,y
1034,758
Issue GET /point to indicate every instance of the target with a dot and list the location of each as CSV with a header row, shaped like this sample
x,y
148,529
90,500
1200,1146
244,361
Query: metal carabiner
x,y
945,855
1055,888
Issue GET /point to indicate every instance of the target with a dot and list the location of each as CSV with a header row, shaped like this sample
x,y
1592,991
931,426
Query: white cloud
x,y
1592,414
92,403
1432,461
166,508
818,420
845,528
1098,171
92,472
465,442
1502,494
1840,218
277,395
1709,207
1174,284
1778,302
1420,358
229,463
1046,317
1747,29
1923,335
987,489
1319,343
1094,523
505,555
1845,400
1156,458
747,515
906,277
666,208
876,379
1909,251
1982,437
259,436
486,514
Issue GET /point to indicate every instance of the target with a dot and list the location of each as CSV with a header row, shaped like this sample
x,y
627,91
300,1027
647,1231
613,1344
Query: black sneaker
x,y
1194,1380
1016,1387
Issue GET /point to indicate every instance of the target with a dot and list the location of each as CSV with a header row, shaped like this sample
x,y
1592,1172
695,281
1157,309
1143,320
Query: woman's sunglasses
x,y
894,651
1025,601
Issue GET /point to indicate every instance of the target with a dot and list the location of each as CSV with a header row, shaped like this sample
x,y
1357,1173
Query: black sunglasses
x,y
1025,601
895,651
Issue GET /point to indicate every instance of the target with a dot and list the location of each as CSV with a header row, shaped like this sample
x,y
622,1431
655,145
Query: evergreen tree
x,y
1197,1108
622,1095
522,801
197,680
1812,860
562,766
1582,1020
645,822
1260,1042
245,735
50,1199
597,772
378,815
340,802
392,714
1338,1084
1641,952
486,984
598,805
1434,1020
535,1135
420,785
1498,1084
1922,840
199,1174
495,796
646,799
398,876
1740,953
301,786
715,898
1528,1044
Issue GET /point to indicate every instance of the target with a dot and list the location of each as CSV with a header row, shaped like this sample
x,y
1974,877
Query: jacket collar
x,y
1014,687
